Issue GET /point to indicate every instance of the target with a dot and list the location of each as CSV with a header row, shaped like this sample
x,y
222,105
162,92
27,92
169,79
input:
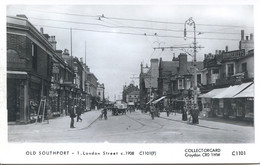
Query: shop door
x,y
12,100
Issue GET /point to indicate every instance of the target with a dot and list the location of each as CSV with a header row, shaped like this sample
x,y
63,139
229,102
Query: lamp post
x,y
191,22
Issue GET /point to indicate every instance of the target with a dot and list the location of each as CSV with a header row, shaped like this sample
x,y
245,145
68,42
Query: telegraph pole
x,y
85,53
195,116
71,46
190,22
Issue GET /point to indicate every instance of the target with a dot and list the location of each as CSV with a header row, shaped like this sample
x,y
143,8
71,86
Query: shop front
x,y
17,96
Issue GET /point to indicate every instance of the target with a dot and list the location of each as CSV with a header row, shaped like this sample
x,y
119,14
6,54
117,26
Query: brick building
x,y
29,68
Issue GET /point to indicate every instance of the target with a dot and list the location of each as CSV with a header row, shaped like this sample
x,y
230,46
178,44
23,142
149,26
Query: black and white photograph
x,y
137,74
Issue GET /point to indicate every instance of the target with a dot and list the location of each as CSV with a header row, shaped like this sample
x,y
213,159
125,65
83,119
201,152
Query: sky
x,y
116,43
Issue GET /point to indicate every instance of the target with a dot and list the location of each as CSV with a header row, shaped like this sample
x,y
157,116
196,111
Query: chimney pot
x,y
246,37
226,48
41,29
251,36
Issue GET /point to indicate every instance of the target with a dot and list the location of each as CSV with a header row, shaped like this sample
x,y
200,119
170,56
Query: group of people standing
x,y
75,112
190,111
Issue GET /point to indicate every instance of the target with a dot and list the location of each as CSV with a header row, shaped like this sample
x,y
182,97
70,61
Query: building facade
x,y
228,74
42,79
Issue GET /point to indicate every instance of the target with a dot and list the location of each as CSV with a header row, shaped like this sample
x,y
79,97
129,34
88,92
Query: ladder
x,y
42,104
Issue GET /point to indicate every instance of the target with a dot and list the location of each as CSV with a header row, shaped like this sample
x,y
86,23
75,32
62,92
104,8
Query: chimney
x,y
174,58
53,42
251,36
182,63
41,29
247,38
226,48
66,52
242,34
216,52
81,59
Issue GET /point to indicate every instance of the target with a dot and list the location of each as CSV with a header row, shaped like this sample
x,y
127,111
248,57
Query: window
x,y
180,84
99,93
34,57
215,71
230,70
188,84
244,67
199,78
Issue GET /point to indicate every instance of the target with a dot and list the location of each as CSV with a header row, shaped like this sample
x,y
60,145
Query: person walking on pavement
x,y
78,111
72,116
184,109
105,113
152,111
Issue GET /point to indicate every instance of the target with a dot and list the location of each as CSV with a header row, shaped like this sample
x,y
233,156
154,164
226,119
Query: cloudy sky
x,y
118,41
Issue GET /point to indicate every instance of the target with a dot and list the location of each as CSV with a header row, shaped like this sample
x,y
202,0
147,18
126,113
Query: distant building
x,y
148,80
128,89
133,97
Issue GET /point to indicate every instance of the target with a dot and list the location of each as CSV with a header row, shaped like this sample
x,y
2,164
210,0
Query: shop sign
x,y
234,54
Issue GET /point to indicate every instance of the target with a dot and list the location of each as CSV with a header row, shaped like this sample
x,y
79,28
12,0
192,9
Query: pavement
x,y
57,123
207,122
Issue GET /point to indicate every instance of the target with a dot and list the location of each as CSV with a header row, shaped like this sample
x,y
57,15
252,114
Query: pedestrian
x,y
78,111
105,113
72,116
152,111
184,109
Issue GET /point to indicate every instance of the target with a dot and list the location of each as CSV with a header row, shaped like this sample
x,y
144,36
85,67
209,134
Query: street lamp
x,y
191,22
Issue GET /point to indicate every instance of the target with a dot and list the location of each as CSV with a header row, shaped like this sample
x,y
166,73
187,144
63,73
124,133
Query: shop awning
x,y
248,92
17,74
156,101
231,91
212,93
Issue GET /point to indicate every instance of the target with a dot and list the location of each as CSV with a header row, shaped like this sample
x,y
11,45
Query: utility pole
x,y
71,46
195,118
85,53
190,22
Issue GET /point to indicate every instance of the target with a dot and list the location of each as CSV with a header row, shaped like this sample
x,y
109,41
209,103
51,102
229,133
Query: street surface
x,y
135,127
